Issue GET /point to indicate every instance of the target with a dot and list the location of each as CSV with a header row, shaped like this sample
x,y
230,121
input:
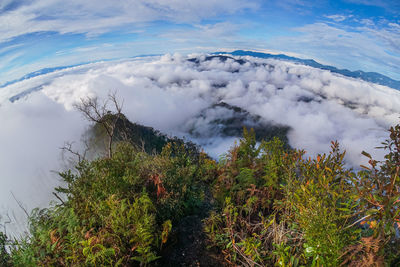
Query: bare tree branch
x,y
99,113
58,197
68,148
20,205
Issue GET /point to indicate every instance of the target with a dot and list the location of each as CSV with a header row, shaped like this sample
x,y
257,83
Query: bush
x,y
119,210
377,190
321,208
250,185
276,207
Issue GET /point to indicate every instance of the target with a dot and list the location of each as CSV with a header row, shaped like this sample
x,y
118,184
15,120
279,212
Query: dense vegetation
x,y
119,210
263,204
274,207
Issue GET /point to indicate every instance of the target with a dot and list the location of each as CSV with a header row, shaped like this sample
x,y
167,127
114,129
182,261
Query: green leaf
x,y
366,154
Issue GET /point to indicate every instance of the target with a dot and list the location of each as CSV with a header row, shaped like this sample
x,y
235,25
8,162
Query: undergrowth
x,y
119,211
275,207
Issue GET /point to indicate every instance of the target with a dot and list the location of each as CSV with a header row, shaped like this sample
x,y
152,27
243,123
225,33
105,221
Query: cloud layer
x,y
180,95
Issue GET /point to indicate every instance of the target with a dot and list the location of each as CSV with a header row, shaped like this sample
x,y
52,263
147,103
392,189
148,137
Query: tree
x,y
99,113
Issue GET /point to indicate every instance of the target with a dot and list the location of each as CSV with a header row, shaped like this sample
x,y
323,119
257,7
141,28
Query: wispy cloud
x,y
337,17
204,33
96,17
366,47
7,60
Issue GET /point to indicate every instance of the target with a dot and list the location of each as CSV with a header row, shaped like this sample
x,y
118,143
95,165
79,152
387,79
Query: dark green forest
x,y
160,201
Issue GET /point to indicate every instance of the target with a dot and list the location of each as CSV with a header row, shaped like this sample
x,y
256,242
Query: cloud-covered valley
x,y
200,97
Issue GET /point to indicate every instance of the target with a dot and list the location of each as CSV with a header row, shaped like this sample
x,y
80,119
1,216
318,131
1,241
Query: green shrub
x,y
378,193
274,207
251,182
119,210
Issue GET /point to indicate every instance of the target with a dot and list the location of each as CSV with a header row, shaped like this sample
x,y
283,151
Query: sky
x,y
354,34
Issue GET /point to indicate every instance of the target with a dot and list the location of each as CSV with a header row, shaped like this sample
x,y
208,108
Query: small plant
x,y
5,259
378,193
250,185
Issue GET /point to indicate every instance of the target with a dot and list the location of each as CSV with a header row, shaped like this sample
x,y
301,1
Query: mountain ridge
x,y
373,77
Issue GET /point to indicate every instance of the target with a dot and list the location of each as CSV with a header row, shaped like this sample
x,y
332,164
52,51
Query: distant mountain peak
x,y
372,77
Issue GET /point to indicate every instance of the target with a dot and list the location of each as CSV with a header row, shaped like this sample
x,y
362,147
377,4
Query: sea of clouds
x,y
179,95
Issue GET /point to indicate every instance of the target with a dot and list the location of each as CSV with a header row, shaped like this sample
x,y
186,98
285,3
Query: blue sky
x,y
353,34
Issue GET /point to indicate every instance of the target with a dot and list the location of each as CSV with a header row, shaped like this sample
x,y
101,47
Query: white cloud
x,y
222,32
366,48
367,22
170,94
93,17
338,18
390,35
9,58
